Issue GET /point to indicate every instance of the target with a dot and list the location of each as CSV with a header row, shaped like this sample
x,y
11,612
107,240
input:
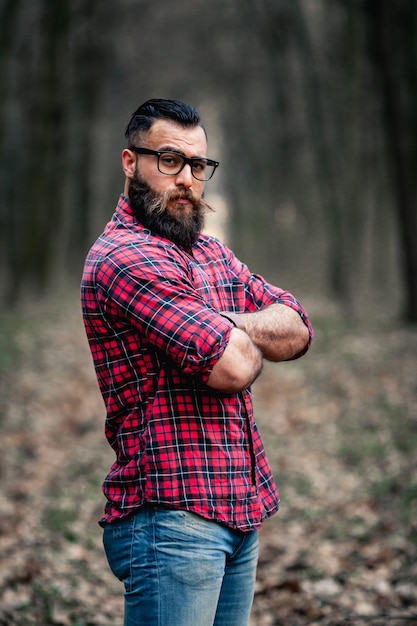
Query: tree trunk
x,y
395,64
8,18
47,150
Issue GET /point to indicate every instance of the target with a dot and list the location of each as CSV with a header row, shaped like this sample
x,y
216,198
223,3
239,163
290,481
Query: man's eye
x,y
170,160
199,166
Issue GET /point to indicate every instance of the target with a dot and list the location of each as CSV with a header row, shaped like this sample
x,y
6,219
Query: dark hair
x,y
158,108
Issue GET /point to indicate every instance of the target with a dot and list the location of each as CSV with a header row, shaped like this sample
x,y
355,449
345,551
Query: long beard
x,y
151,209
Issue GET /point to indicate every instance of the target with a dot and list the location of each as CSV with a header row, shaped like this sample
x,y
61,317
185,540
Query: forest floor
x,y
340,428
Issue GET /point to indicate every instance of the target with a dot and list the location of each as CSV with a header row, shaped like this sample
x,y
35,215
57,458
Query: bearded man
x,y
178,329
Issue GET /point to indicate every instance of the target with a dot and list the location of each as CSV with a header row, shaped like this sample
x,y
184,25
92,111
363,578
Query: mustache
x,y
158,204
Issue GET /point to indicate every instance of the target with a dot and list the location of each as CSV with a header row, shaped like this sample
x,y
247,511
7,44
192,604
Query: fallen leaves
x,y
340,427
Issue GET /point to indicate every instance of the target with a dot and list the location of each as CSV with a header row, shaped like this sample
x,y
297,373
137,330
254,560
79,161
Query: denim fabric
x,y
180,569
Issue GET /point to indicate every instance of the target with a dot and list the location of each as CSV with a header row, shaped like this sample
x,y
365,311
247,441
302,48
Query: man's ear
x,y
128,163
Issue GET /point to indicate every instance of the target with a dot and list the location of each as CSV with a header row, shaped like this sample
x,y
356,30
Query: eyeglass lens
x,y
170,163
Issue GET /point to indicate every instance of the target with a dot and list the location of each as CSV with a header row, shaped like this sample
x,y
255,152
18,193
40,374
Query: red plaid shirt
x,y
151,313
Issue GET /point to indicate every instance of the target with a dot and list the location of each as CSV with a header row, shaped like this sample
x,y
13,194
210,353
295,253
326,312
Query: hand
x,y
278,331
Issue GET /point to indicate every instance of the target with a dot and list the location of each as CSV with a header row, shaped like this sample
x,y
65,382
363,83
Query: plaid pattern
x,y
151,313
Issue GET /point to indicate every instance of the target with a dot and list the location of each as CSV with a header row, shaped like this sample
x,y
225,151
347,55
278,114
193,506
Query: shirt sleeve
x,y
154,294
259,293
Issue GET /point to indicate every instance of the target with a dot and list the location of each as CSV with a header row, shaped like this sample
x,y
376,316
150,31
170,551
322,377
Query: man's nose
x,y
185,177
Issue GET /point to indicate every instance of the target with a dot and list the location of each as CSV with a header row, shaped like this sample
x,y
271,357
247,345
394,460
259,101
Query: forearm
x,y
238,367
278,331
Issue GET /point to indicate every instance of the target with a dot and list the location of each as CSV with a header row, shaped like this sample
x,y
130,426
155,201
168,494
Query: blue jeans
x,y
180,569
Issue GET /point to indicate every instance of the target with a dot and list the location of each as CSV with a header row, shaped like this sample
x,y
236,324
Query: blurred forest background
x,y
311,109
310,105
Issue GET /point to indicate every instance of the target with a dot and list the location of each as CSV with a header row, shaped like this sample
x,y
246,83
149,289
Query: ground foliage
x,y
340,427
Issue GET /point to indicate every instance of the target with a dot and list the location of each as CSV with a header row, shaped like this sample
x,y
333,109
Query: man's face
x,y
166,135
172,206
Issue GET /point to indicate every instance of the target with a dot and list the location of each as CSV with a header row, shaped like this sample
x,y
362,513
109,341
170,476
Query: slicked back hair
x,y
175,110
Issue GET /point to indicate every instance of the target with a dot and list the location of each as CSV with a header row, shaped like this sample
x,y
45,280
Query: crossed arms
x,y
276,333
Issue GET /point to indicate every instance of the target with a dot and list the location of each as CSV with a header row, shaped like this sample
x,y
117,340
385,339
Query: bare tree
x,y
393,35
9,10
303,148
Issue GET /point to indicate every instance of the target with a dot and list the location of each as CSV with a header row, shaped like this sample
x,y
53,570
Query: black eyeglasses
x,y
171,163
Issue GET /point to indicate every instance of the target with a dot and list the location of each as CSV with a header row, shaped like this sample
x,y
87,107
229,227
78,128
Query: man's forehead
x,y
167,135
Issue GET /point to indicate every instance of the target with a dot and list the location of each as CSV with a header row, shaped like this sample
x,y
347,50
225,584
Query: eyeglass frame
x,y
186,161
